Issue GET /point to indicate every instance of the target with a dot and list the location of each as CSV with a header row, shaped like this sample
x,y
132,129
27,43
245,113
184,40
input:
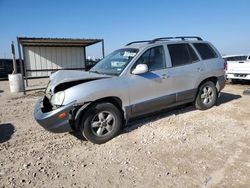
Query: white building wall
x,y
44,57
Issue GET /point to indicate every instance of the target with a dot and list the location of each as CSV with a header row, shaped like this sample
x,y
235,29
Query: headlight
x,y
48,89
58,98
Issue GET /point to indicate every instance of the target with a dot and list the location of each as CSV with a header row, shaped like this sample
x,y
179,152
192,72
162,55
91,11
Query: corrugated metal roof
x,y
33,41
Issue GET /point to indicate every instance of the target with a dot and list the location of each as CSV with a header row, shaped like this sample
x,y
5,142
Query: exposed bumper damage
x,y
58,120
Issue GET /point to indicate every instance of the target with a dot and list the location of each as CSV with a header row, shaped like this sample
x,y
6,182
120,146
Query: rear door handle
x,y
165,76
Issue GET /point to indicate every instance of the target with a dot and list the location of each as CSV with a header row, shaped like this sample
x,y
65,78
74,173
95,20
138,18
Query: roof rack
x,y
139,41
182,38
165,38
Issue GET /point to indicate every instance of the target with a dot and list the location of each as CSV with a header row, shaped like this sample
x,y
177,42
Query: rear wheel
x,y
101,122
207,96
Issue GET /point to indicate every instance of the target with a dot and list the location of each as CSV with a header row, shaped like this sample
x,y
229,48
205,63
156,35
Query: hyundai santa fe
x,y
139,78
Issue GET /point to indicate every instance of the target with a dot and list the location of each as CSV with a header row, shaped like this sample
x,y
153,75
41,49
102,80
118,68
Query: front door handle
x,y
165,76
199,69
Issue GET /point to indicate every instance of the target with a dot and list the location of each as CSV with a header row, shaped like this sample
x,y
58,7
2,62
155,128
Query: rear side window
x,y
181,54
205,50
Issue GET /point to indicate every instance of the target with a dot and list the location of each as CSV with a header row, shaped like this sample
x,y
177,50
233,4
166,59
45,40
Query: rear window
x,y
181,54
236,58
205,50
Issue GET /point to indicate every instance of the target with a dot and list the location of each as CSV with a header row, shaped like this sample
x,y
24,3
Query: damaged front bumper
x,y
58,120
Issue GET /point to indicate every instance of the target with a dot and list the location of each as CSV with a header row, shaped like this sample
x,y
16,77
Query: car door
x,y
186,70
150,91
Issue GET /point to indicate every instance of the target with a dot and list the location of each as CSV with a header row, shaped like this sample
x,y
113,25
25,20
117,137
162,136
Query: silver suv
x,y
140,78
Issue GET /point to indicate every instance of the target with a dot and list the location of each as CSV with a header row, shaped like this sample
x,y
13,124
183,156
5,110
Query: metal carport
x,y
45,55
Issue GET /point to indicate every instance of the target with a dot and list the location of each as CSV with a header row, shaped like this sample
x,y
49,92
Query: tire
x,y
206,96
101,122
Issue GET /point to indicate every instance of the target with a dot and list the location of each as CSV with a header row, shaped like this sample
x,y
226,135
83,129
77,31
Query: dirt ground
x,y
182,147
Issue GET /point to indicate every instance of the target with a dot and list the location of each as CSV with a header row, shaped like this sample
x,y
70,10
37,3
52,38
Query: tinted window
x,y
236,58
205,50
230,59
181,54
154,58
241,58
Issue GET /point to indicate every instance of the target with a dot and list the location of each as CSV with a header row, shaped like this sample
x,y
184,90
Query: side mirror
x,y
140,69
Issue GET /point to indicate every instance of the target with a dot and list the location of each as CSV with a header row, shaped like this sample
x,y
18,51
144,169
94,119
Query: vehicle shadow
x,y
149,118
78,135
1,91
239,82
6,131
226,97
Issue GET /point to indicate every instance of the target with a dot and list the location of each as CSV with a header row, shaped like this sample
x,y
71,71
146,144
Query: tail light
x,y
225,64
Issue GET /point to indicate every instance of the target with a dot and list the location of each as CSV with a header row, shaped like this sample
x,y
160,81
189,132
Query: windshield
x,y
116,62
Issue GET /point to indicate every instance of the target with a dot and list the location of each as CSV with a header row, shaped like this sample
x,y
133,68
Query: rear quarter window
x,y
205,50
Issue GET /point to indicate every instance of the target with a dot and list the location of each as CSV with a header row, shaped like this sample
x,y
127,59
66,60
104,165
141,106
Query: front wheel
x,y
207,96
101,122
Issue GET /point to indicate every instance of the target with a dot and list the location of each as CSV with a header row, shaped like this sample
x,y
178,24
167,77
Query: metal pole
x,y
25,72
21,64
84,54
103,53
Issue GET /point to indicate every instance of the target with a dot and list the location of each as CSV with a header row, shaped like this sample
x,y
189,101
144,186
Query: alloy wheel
x,y
102,123
207,95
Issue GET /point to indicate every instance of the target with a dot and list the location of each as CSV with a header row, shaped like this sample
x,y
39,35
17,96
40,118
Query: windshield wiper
x,y
94,72
104,73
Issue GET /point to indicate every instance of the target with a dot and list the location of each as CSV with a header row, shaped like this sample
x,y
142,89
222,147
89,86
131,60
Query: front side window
x,y
205,50
154,58
116,62
181,54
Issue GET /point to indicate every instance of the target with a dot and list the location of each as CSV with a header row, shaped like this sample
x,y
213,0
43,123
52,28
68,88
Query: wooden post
x,y
13,58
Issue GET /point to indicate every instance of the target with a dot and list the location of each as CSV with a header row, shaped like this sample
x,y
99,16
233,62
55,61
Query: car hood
x,y
64,79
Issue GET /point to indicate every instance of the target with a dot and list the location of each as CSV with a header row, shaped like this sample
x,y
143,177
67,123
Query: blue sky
x,y
225,23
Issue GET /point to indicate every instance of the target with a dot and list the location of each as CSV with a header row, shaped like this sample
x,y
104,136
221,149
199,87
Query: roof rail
x,y
182,38
189,37
165,38
139,41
